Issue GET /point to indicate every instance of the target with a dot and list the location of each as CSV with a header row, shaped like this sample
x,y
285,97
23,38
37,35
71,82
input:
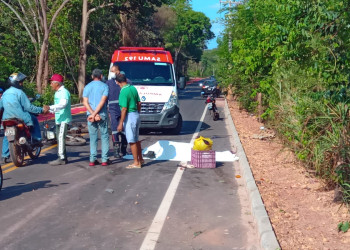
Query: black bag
x,y
120,145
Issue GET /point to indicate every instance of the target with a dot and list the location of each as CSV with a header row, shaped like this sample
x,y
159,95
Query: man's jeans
x,y
35,130
93,127
5,148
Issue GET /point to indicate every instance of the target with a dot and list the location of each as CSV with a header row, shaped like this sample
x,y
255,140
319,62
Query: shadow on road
x,y
191,92
188,127
20,188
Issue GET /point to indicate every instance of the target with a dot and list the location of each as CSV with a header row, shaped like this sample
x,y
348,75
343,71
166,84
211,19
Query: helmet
x,y
57,78
16,78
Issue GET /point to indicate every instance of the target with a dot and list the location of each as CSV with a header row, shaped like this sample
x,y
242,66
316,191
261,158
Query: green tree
x,y
125,7
187,34
296,53
37,19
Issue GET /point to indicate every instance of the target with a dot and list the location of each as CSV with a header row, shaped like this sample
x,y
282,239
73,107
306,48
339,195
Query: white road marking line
x,y
199,126
153,233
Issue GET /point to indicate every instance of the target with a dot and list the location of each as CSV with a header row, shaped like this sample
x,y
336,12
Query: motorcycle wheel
x,y
75,141
34,154
1,178
216,116
17,154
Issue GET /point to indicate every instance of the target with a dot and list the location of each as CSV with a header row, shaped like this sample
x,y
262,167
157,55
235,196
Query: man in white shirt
x,y
63,116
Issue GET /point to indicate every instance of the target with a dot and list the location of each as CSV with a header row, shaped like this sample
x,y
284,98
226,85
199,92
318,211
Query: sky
x,y
210,8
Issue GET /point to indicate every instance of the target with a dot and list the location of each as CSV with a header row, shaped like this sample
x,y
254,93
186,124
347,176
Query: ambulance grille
x,y
151,108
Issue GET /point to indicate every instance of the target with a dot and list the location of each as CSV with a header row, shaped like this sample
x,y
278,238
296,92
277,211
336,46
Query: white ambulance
x,y
151,71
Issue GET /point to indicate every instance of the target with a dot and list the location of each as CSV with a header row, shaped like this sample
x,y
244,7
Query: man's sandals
x,y
131,166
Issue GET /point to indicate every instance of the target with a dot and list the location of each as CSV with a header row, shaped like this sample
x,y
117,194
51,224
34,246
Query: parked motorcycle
x,y
212,107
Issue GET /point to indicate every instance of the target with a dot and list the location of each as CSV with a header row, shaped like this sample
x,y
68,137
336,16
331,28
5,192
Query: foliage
x,y
47,97
343,226
207,66
148,23
186,34
296,53
16,51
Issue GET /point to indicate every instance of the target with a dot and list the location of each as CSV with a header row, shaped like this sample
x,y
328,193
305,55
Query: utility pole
x,y
230,3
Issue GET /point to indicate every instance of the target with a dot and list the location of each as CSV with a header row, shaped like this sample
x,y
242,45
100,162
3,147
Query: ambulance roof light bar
x,y
142,48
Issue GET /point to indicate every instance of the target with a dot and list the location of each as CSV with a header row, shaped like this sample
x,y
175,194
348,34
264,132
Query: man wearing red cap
x,y
63,116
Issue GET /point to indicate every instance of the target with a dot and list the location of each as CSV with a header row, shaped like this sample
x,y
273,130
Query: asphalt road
x,y
68,207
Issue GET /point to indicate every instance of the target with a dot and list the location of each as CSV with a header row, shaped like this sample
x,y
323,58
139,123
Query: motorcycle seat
x,y
12,122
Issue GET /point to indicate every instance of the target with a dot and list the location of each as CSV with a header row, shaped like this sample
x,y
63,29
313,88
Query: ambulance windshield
x,y
148,73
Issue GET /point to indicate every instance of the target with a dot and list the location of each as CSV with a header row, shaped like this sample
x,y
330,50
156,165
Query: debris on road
x,y
264,134
109,190
185,164
195,234
136,231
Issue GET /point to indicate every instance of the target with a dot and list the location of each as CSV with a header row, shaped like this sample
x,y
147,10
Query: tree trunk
x,y
84,43
37,14
126,38
40,76
82,54
176,58
46,67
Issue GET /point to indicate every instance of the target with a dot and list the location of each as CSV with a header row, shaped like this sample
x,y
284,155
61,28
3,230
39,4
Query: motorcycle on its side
x,y
72,137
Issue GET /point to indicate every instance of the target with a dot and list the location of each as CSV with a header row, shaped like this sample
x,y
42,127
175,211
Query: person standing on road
x,y
95,96
114,113
63,116
129,102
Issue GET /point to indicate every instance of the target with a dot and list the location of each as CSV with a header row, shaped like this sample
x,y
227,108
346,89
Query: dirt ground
x,y
302,214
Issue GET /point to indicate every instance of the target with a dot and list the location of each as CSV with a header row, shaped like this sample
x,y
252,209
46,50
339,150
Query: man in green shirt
x,y
129,102
63,116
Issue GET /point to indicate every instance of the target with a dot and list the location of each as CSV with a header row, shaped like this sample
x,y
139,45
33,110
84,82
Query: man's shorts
x,y
132,127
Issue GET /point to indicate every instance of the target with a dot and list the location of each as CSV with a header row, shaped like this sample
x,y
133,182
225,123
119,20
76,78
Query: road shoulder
x,y
267,236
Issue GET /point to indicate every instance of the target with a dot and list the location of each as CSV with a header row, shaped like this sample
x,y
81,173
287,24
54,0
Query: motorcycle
x,y
212,107
21,142
49,135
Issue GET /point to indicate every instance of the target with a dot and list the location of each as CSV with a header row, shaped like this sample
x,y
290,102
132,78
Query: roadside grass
x,y
313,122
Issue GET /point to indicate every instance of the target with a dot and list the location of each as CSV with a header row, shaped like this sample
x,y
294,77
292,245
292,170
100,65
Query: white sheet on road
x,y
180,151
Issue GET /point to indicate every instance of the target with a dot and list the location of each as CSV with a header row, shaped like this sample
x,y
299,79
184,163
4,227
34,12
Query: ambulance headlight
x,y
171,102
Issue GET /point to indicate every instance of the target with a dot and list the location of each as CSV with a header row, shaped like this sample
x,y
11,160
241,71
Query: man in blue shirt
x,y
95,96
17,105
